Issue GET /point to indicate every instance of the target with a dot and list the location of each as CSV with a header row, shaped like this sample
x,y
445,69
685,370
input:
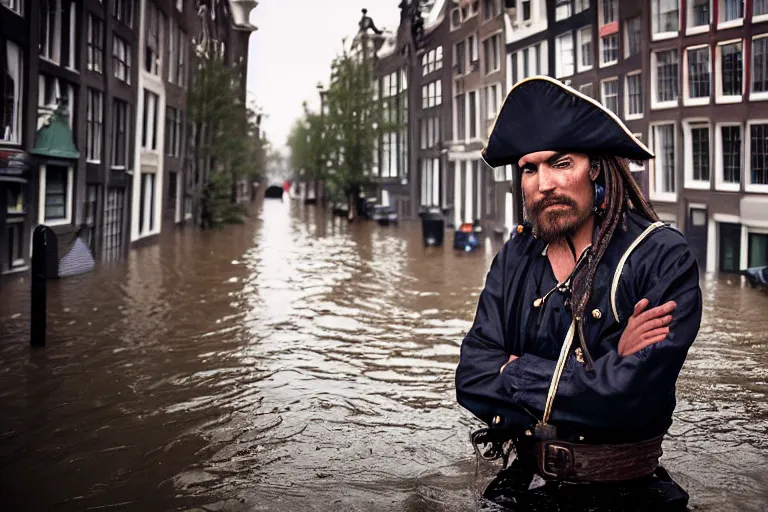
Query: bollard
x,y
44,265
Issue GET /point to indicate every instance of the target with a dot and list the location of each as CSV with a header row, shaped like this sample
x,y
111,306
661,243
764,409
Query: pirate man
x,y
586,317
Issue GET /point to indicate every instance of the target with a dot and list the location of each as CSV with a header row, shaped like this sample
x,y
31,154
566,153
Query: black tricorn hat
x,y
543,114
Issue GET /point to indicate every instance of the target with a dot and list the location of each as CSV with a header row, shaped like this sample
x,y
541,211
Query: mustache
x,y
539,207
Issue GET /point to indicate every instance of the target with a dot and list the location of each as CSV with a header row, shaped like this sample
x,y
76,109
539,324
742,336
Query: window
x,y
632,29
730,247
698,73
609,49
14,199
91,207
731,10
760,65
491,9
758,250
731,137
491,54
14,233
584,40
180,5
610,94
666,76
173,184
430,182
587,90
123,11
173,134
562,9
120,130
56,193
52,91
664,137
432,60
564,55
731,69
493,101
153,36
95,44
473,50
526,9
57,35
665,16
698,15
121,59
700,152
147,203
94,122
581,5
529,60
759,7
173,49
635,95
11,94
460,57
758,154
472,114
455,19
16,6
432,94
461,117
610,11
150,120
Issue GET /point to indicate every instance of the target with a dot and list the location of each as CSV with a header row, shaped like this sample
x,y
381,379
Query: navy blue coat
x,y
626,398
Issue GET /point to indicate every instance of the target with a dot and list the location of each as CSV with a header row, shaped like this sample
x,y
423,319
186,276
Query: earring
x,y
599,205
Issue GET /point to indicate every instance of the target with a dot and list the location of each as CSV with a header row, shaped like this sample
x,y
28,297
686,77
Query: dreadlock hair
x,y
621,194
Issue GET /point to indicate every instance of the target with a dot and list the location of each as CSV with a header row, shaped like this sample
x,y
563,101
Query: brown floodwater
x,y
298,362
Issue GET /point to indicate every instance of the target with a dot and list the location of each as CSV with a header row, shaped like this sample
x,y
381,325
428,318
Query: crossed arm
x,y
630,386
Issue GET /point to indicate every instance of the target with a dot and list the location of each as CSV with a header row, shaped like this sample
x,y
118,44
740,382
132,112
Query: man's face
x,y
558,190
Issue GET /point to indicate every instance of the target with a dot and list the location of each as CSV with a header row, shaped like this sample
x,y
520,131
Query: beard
x,y
553,225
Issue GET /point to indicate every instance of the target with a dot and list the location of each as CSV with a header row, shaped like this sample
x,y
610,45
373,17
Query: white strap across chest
x,y
565,350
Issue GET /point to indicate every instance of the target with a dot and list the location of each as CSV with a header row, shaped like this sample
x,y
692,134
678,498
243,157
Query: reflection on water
x,y
298,361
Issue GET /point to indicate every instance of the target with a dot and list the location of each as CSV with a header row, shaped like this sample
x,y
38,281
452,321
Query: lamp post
x,y
318,186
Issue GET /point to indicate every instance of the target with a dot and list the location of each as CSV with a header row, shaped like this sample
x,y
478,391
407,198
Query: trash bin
x,y
432,227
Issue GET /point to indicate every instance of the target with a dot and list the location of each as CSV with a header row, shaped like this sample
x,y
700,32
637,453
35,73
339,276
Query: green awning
x,y
54,139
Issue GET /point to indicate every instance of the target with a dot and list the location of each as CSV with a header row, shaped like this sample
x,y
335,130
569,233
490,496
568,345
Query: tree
x,y
227,143
338,145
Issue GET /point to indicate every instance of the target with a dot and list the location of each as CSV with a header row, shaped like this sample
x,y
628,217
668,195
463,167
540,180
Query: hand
x,y
511,358
645,328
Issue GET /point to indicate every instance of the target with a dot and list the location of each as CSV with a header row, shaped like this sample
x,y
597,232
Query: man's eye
x,y
563,164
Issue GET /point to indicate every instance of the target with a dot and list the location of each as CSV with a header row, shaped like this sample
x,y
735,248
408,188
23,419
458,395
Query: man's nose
x,y
546,179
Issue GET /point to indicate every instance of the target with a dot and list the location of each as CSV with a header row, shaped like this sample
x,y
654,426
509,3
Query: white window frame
x,y
688,125
653,176
625,37
55,49
759,17
566,3
603,63
627,115
17,7
602,92
738,22
497,35
582,86
720,184
600,21
15,136
661,105
559,57
94,145
747,138
719,97
700,29
478,109
579,41
660,36
489,91
67,206
755,96
687,100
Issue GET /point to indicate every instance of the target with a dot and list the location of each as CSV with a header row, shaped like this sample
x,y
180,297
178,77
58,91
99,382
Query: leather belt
x,y
578,462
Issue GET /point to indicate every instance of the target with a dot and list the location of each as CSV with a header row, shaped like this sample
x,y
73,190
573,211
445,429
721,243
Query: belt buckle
x,y
563,460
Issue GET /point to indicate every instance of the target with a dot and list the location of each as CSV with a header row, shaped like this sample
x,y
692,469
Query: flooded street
x,y
300,363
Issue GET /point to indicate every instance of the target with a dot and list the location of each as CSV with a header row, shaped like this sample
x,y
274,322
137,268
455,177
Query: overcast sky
x,y
293,48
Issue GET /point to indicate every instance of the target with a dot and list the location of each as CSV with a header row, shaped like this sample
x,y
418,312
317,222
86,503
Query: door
x,y
697,235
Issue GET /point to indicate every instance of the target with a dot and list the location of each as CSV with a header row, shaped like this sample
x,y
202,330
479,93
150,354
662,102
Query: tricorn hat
x,y
543,114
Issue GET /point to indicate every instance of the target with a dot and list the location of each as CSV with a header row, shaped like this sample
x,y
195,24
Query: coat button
x,y
596,314
496,420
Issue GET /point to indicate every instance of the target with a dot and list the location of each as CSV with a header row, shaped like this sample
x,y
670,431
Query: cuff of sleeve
x,y
528,373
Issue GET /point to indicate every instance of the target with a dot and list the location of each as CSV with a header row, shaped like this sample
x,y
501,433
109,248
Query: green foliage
x,y
337,146
226,133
